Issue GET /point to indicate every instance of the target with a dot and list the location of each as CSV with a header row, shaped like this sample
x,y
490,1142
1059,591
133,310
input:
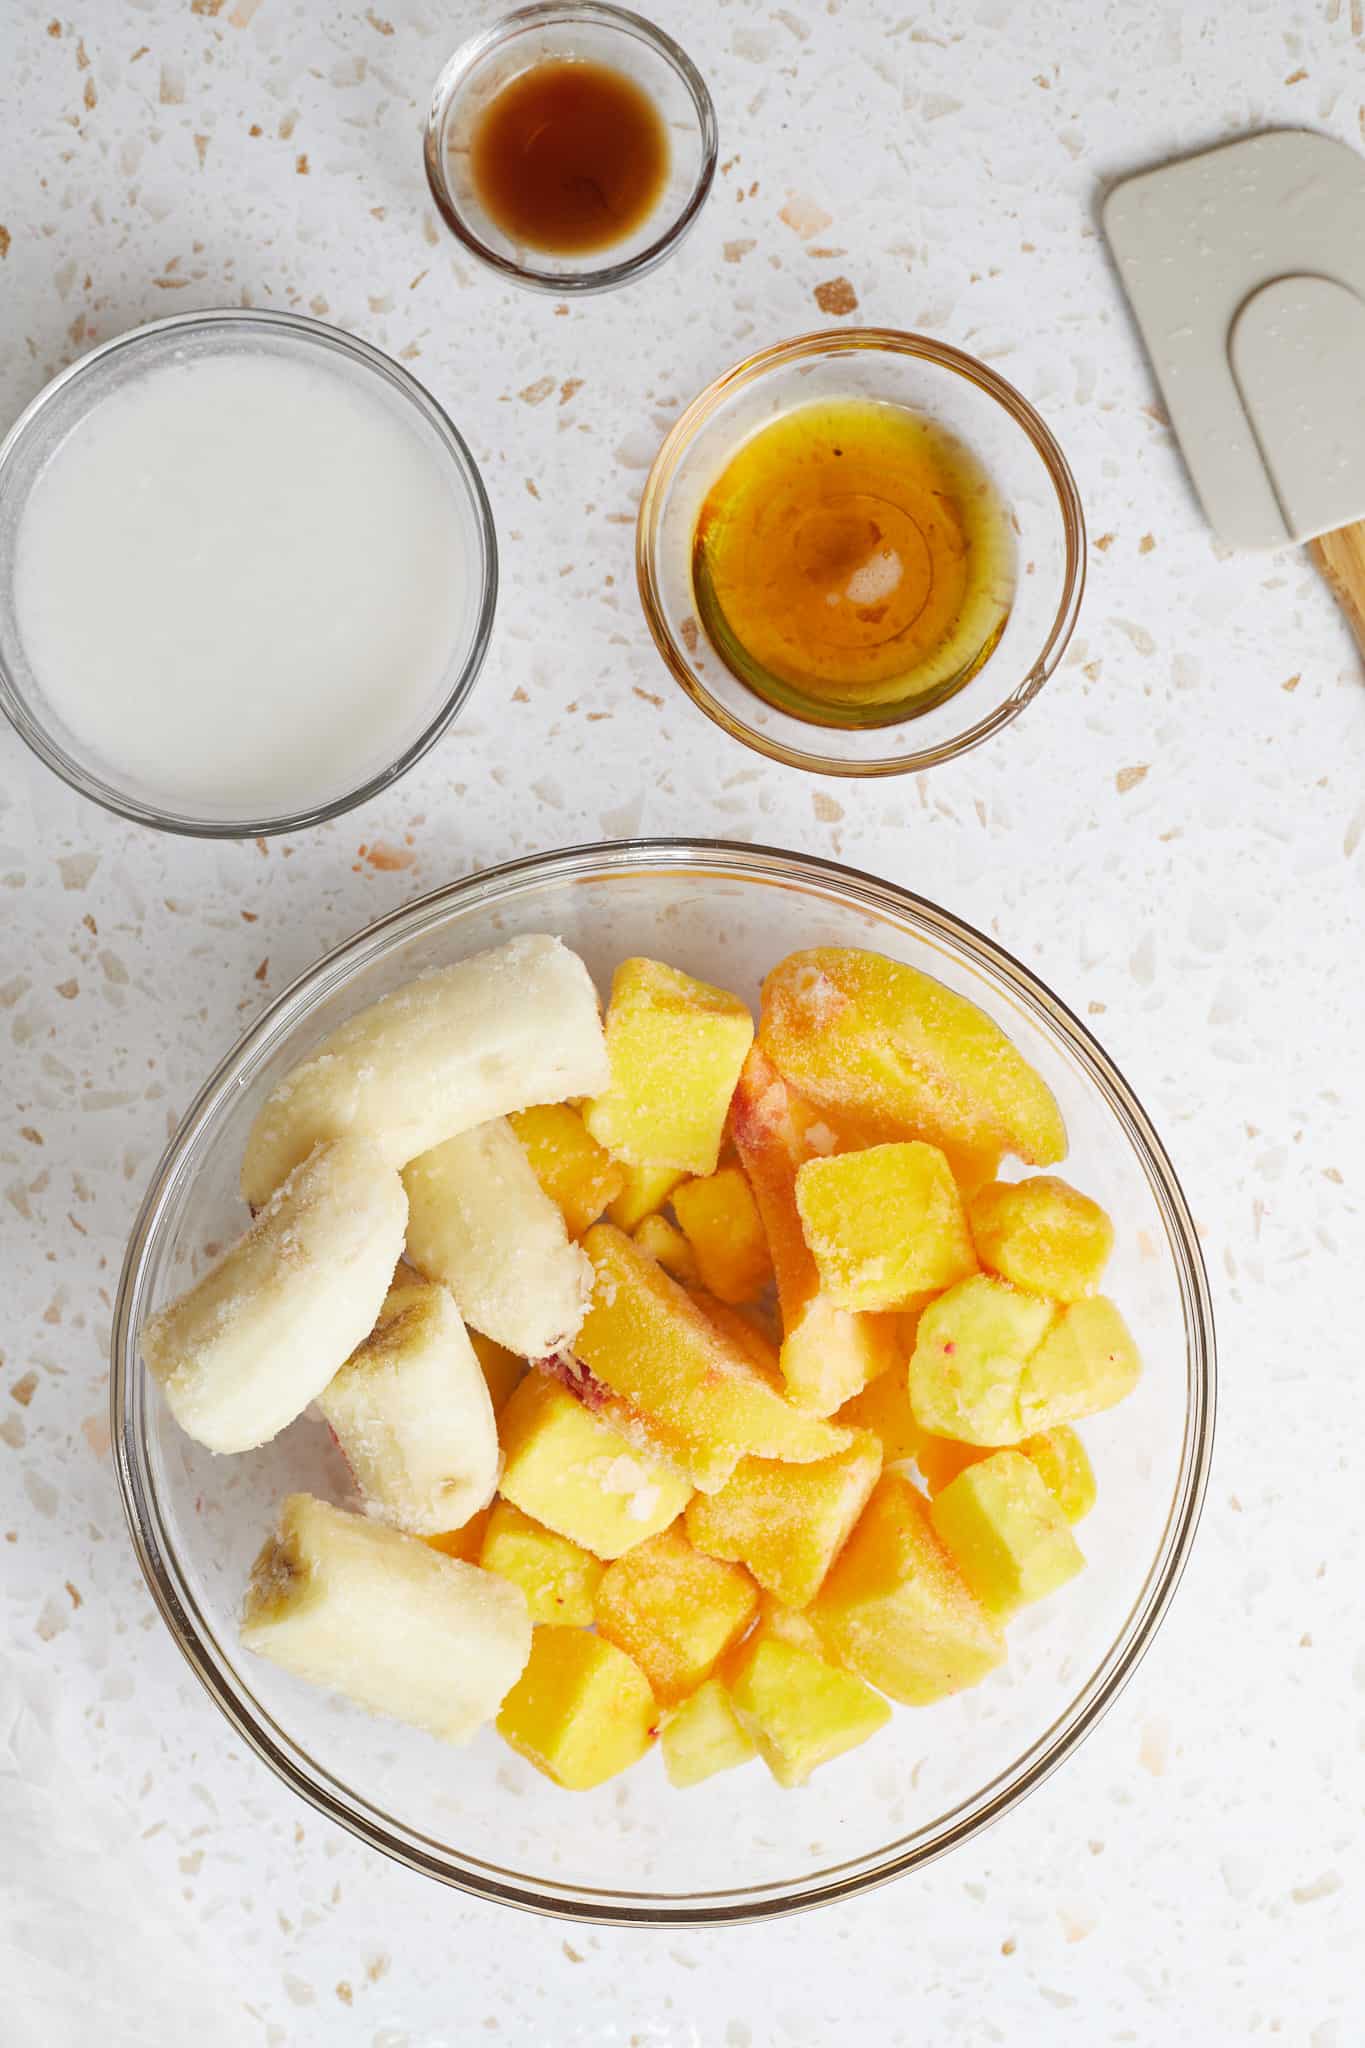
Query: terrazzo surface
x,y
1173,837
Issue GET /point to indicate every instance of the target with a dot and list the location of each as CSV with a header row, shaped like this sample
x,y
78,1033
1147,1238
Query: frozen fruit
x,y
1005,1532
452,1049
674,1381
558,1577
789,1625
675,1047
941,1458
884,1408
503,1371
702,1736
570,1470
872,1038
1061,1459
895,1608
259,1335
1043,1235
644,1191
465,1542
720,1218
800,1711
576,1173
885,1226
411,1411
787,1523
581,1711
666,1243
827,1352
1086,1362
342,1601
970,1353
674,1610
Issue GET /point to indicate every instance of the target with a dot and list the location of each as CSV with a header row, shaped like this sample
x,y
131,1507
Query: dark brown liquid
x,y
569,157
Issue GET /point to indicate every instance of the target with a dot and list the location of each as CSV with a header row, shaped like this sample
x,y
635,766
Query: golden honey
x,y
854,563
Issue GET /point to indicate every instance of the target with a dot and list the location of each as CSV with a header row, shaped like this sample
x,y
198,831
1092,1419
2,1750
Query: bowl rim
x,y
451,443
849,341
459,69
718,860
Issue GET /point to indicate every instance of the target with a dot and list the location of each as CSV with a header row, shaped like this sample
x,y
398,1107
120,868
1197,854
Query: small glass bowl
x,y
1002,430
739,1847
60,408
581,31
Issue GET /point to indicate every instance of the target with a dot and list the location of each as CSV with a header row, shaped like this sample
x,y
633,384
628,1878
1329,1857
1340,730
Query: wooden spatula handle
x,y
1341,558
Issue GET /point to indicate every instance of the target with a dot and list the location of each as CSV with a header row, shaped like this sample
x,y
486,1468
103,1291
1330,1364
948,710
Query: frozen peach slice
x,y
870,1037
828,1353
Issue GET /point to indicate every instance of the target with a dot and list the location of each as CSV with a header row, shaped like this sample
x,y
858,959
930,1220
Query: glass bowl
x,y
61,407
738,1847
578,31
959,394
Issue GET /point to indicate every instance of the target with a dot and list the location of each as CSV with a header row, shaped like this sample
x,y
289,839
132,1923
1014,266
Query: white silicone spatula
x,y
1245,266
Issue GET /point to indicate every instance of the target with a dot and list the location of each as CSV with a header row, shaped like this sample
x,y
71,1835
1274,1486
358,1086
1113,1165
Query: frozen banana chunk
x,y
260,1335
509,1028
399,1628
413,1416
480,1222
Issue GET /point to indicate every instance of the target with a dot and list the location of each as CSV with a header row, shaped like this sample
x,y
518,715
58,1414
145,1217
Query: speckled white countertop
x,y
1174,837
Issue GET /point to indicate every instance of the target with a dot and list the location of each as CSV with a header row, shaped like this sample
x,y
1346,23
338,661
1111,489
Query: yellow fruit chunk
x,y
1042,1234
576,1173
885,1227
896,1610
1086,1362
1061,1459
787,1523
970,1353
674,1611
644,1191
828,1354
465,1542
558,1577
788,1625
581,1711
674,1380
744,1328
675,1046
800,1711
570,1470
723,1226
666,1243
502,1369
941,1458
867,1036
884,1408
702,1737
1005,1532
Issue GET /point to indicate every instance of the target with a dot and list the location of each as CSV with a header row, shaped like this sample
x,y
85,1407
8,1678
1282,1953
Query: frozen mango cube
x,y
581,1711
869,1037
746,1328
702,1736
723,1227
1066,1470
665,1242
970,1352
799,1710
558,1577
675,1047
885,1226
828,1353
465,1542
578,1175
644,1190
572,1471
1043,1235
1086,1362
1005,1532
675,1611
787,1523
502,1369
896,1610
673,1380
884,1408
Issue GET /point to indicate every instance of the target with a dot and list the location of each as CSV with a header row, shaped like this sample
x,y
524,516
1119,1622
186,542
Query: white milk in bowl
x,y
244,581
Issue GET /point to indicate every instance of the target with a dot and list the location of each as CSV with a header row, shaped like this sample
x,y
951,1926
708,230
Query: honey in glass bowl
x,y
853,564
